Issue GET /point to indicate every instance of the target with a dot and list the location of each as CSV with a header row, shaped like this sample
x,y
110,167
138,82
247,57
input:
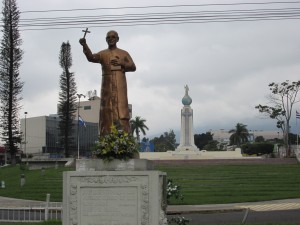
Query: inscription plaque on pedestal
x,y
113,198
110,205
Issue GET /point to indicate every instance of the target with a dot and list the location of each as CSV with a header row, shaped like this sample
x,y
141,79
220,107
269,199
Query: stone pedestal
x,y
114,197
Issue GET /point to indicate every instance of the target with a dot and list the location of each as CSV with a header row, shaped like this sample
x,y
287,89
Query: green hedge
x,y
257,148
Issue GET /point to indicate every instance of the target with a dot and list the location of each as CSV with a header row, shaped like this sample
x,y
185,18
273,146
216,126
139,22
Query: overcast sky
x,y
227,66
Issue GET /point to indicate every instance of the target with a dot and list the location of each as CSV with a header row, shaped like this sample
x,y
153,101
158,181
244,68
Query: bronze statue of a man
x,y
114,103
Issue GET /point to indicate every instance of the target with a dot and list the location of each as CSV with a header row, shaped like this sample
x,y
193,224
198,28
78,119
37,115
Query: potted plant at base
x,y
116,145
117,150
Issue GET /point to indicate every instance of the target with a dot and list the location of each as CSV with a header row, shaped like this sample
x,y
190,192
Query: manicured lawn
x,y
234,183
37,184
200,184
60,223
42,223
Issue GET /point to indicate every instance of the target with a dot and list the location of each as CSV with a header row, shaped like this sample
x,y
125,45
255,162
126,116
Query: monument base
x,y
191,155
114,165
114,197
192,148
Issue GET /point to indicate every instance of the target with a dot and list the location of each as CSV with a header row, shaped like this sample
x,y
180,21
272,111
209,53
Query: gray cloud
x,y
227,66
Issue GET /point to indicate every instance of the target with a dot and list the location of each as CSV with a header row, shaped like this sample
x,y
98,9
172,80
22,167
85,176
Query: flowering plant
x,y
180,220
116,145
173,191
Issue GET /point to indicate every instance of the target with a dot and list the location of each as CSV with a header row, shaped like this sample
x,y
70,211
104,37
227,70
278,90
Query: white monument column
x,y
187,142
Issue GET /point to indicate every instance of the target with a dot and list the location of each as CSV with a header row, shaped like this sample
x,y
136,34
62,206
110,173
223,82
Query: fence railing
x,y
32,213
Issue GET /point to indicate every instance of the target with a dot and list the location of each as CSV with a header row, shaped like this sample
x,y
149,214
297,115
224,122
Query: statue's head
x,y
112,38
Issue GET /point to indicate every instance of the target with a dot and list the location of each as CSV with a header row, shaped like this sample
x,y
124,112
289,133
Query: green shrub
x,y
257,148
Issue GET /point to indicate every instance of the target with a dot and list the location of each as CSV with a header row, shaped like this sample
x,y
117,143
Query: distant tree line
x,y
165,142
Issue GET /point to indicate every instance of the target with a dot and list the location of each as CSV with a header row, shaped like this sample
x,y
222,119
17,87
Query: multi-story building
x,y
42,136
89,110
224,135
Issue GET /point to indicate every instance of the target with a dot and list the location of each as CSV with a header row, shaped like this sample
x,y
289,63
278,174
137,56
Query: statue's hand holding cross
x,y
85,32
82,41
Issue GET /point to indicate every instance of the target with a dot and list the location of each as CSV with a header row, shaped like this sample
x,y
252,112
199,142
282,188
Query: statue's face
x,y
112,39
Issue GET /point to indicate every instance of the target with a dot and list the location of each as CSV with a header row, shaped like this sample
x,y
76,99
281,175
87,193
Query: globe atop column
x,y
186,100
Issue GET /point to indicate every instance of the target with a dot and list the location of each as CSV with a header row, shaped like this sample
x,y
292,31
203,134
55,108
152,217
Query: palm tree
x,y
239,135
137,125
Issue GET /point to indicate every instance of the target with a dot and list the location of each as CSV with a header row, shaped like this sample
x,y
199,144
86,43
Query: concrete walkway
x,y
14,203
285,204
274,205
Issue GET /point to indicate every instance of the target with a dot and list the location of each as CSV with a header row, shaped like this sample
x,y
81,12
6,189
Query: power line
x,y
166,23
159,18
146,15
162,18
165,6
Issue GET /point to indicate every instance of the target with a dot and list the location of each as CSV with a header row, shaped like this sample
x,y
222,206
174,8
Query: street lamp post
x,y
79,96
25,141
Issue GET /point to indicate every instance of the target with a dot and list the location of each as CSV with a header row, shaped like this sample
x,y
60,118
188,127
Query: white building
x,y
42,133
223,135
89,110
42,136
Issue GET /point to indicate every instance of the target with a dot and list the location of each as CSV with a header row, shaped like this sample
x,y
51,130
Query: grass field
x,y
200,184
60,223
37,184
234,183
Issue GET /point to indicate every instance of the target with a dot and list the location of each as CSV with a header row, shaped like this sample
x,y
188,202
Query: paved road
x,y
236,217
287,210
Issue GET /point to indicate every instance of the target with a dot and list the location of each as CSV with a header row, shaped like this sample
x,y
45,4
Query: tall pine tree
x,y
10,83
67,99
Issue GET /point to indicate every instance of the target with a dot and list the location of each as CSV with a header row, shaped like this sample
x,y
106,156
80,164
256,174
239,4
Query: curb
x,y
204,211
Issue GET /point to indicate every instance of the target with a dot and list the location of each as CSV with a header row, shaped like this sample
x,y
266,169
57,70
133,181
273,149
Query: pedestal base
x,y
114,198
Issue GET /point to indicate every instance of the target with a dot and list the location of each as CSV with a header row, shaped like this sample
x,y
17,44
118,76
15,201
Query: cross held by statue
x,y
85,32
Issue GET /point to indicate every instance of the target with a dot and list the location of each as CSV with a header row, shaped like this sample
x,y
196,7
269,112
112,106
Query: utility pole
x,y
79,96
25,141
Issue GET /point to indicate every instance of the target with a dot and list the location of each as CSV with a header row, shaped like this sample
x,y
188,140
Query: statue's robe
x,y
114,108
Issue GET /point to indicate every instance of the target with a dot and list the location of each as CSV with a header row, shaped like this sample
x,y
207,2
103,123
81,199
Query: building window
x,y
87,107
